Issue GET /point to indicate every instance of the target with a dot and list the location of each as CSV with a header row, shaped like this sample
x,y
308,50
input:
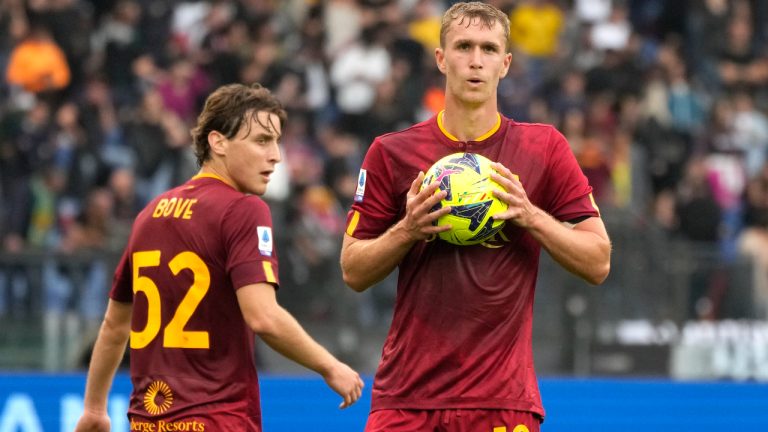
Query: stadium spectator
x,y
738,62
160,144
355,74
535,29
686,107
591,11
37,64
14,25
750,132
459,351
316,239
570,95
25,156
182,89
753,240
116,43
214,235
122,184
424,24
614,32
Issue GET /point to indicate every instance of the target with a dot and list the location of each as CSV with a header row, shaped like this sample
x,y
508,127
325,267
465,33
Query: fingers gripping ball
x,y
467,179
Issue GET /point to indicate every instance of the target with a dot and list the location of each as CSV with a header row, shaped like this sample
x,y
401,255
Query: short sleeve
x,y
249,243
569,192
122,290
376,206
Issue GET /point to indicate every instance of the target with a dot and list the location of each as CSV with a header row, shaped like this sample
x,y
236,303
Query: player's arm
x,y
365,262
280,330
105,359
583,249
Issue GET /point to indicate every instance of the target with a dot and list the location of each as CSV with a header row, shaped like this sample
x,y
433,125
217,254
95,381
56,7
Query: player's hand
x,y
419,218
93,422
520,211
346,382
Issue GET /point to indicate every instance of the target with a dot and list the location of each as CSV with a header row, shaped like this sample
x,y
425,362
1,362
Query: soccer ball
x,y
467,178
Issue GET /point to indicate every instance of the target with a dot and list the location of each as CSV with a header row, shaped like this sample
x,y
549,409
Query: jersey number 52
x,y
174,335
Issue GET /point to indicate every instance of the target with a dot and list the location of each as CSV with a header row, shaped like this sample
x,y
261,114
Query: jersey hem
x,y
455,403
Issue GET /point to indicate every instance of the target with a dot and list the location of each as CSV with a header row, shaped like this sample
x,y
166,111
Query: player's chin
x,y
475,100
258,188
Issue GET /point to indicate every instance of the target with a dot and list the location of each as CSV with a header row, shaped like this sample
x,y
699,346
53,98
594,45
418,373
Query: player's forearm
x,y
366,262
585,253
286,336
105,359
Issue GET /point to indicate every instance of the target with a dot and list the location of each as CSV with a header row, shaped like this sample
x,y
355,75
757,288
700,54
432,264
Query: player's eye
x,y
263,140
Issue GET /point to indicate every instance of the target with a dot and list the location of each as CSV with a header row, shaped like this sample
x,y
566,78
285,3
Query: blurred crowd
x,y
664,103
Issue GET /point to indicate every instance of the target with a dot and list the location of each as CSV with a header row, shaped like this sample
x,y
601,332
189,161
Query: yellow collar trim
x,y
482,137
213,176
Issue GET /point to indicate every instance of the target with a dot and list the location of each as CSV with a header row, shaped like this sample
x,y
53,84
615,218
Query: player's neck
x,y
211,169
467,124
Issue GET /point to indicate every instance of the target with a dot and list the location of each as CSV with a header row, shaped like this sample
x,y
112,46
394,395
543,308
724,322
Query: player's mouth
x,y
265,175
475,81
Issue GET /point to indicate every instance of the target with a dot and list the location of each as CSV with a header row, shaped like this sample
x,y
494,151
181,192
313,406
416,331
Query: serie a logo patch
x,y
361,185
265,240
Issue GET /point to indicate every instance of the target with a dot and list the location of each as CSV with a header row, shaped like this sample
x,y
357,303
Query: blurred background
x,y
664,103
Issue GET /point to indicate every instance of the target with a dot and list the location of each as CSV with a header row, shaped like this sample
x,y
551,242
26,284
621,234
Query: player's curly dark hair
x,y
230,107
487,14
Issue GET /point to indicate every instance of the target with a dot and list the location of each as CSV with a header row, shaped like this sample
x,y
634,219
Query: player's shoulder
x,y
404,136
248,204
530,126
538,134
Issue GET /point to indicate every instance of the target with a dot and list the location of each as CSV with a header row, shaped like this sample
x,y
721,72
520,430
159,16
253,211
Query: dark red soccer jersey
x,y
191,351
461,331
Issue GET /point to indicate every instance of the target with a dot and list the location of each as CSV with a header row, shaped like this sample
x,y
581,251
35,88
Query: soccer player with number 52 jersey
x,y
198,279
458,356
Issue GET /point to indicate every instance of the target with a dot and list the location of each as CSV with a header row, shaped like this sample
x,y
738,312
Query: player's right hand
x,y
419,220
93,422
346,382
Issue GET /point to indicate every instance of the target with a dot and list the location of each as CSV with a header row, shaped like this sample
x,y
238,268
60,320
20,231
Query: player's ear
x,y
507,63
440,59
217,142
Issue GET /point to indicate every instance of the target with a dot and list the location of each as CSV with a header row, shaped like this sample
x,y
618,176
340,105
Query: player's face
x,y
473,60
253,153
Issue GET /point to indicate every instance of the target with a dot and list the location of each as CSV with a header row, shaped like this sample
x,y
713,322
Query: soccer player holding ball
x,y
458,356
198,280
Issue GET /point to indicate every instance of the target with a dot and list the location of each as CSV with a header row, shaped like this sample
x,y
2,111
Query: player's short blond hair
x,y
487,14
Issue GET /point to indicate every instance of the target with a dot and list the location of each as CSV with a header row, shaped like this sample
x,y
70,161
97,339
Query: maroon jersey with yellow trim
x,y
461,331
191,351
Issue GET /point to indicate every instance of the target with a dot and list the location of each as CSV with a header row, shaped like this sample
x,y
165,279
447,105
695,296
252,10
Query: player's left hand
x,y
93,422
520,211
346,382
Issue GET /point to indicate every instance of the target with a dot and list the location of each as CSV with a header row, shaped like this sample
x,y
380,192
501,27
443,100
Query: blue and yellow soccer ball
x,y
467,179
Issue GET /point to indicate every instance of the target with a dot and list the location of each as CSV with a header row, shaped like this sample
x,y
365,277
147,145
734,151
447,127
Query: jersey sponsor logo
x,y
265,240
361,185
168,426
158,397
